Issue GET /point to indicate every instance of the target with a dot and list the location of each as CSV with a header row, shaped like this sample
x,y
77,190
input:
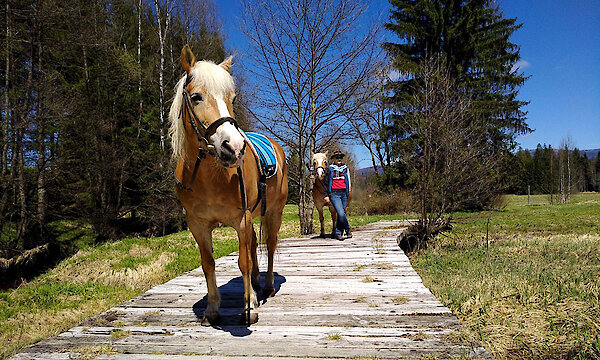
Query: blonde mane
x,y
211,77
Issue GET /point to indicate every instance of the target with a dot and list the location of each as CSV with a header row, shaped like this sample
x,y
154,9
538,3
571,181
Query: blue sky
x,y
560,50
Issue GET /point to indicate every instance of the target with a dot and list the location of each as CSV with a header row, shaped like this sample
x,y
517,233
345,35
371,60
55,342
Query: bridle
x,y
317,178
207,131
203,135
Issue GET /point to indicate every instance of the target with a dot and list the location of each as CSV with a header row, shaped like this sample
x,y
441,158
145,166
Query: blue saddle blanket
x,y
265,151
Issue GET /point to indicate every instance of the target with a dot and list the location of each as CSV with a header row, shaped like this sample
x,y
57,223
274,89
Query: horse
x,y
320,164
217,178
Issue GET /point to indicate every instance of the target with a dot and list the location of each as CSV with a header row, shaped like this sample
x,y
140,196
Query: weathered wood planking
x,y
335,299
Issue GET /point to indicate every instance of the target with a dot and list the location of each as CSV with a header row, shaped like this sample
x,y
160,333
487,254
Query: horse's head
x,y
319,163
205,95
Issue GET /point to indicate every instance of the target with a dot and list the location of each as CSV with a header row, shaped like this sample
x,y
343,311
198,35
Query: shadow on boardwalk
x,y
232,304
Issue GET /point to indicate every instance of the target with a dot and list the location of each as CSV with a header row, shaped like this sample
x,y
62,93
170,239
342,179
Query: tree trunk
x,y
139,62
305,209
304,205
20,172
6,117
20,160
161,39
41,149
568,176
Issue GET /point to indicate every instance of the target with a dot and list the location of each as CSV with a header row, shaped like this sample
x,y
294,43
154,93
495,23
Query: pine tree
x,y
472,39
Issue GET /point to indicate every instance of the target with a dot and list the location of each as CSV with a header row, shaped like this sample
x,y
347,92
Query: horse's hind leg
x,y
203,234
271,225
255,271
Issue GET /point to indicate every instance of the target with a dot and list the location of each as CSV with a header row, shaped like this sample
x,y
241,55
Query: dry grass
x,y
92,352
120,334
100,271
400,300
420,336
531,294
359,267
371,202
384,266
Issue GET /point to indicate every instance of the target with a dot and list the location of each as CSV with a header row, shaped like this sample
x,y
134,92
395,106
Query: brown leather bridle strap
x,y
203,136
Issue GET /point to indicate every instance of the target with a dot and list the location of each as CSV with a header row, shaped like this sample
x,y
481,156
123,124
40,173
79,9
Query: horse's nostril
x,y
227,147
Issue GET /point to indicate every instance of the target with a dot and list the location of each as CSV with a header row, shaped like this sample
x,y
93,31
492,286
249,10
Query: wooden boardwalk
x,y
356,299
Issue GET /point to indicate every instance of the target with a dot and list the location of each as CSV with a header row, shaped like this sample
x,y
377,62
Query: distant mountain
x,y
590,153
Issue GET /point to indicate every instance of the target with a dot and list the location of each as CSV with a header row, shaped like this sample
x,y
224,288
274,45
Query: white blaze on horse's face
x,y
215,85
319,162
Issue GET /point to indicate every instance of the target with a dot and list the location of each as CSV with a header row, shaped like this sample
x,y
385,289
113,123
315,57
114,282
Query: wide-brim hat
x,y
337,154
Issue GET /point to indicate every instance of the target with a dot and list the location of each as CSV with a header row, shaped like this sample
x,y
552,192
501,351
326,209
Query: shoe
x,y
339,237
348,233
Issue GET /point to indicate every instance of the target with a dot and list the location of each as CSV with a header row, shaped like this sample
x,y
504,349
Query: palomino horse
x,y
319,164
217,178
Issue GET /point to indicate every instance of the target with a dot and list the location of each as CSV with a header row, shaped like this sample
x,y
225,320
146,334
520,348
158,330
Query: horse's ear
x,y
326,151
226,64
312,154
187,58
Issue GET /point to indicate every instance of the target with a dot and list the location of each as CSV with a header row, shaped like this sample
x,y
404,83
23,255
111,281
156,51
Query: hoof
x,y
249,319
211,320
322,235
268,292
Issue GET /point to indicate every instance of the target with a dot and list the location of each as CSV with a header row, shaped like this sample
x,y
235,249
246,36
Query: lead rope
x,y
240,173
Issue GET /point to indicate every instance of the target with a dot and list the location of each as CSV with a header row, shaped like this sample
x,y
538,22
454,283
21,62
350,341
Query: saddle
x,y
266,161
265,153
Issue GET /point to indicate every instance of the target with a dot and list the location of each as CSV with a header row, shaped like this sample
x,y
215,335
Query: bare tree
x,y
139,64
373,120
564,163
309,60
163,15
6,112
444,144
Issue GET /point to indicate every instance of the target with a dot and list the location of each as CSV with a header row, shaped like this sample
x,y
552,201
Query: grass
x,y
335,336
100,276
526,285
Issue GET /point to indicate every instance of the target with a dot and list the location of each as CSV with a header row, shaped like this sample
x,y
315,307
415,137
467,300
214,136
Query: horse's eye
x,y
196,97
233,100
325,162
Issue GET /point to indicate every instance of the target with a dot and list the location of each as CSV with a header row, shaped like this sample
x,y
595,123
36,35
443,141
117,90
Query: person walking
x,y
337,193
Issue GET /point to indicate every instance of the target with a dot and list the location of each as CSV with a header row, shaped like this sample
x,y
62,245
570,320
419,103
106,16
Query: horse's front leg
x,y
202,232
245,262
322,220
333,219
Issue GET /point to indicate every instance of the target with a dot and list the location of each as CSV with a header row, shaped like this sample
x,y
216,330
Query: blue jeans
x,y
339,200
